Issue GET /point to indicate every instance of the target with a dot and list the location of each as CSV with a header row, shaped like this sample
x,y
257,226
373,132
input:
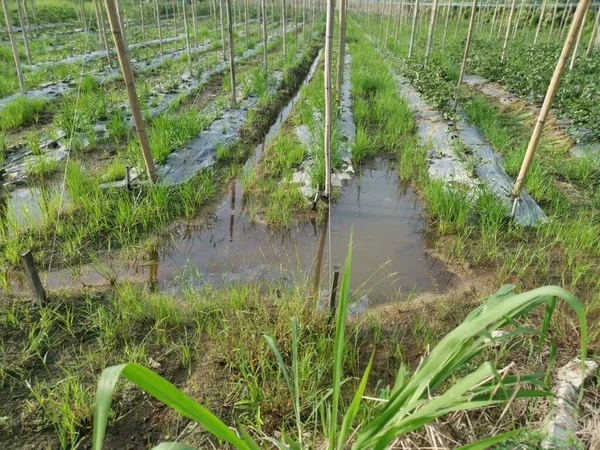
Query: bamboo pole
x,y
303,21
187,34
578,41
467,43
494,18
502,14
412,32
508,23
430,34
158,25
446,24
552,88
341,47
554,9
516,27
13,44
141,18
222,29
458,18
283,25
264,30
398,26
567,15
194,6
231,55
389,21
214,7
123,54
539,25
246,28
594,31
24,32
328,107
176,11
295,19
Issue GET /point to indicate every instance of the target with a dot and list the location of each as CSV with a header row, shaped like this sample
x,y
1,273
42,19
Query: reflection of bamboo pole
x,y
552,88
317,267
467,43
430,34
123,54
512,10
13,44
414,24
327,70
341,48
231,55
578,41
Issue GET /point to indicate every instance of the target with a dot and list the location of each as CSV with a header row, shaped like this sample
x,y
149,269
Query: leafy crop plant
x,y
444,382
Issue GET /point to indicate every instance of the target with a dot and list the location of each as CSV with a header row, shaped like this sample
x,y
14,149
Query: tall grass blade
x,y
482,444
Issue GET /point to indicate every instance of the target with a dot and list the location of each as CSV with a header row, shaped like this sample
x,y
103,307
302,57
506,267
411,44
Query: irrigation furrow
x,y
459,154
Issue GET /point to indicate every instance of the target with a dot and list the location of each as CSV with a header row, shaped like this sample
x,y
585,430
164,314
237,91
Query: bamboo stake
x,y
516,27
446,24
552,88
187,34
578,38
13,44
303,21
567,15
222,29
510,15
494,18
264,30
175,8
34,11
26,10
194,5
328,107
231,55
412,33
341,48
382,18
398,26
283,25
501,22
158,25
594,30
214,7
295,18
467,43
246,28
539,25
458,18
430,34
23,32
553,19
141,17
387,31
123,54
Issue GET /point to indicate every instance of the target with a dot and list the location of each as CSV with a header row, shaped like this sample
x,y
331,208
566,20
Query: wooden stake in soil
x,y
123,55
594,32
578,41
341,48
157,24
512,9
412,32
552,88
430,34
231,55
328,50
33,277
467,43
13,44
24,31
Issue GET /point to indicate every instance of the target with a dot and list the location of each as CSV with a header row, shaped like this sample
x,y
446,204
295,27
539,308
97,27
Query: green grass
x,y
21,112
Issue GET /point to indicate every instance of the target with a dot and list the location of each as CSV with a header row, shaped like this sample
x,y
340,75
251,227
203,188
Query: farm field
x,y
299,224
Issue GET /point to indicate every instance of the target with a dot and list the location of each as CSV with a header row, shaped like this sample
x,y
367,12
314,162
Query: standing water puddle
x,y
390,260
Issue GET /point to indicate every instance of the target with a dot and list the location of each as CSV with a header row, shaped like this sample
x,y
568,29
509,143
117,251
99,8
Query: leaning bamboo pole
x,y
467,43
540,21
13,44
341,47
508,23
24,32
458,18
554,10
414,25
494,19
567,15
576,25
157,11
123,54
283,30
193,6
501,22
327,82
231,55
141,18
430,33
578,41
176,12
222,29
398,25
517,22
246,25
